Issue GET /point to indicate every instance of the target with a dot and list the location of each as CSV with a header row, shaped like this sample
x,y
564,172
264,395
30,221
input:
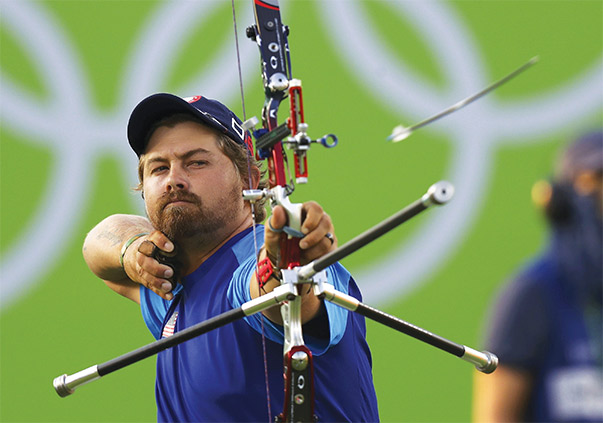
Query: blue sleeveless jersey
x,y
220,376
540,327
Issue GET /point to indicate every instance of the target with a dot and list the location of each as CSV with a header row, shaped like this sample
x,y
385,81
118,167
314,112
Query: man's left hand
x,y
317,227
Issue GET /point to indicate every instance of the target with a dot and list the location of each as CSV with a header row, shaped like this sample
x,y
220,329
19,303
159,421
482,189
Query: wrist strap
x,y
265,271
127,244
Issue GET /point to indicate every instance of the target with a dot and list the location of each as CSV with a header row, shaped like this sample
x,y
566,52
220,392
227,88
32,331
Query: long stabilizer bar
x,y
438,194
65,384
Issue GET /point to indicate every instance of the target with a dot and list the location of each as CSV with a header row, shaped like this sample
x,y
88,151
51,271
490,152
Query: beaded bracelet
x,y
126,245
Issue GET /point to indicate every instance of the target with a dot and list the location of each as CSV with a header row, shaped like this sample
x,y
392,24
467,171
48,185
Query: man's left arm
x,y
316,224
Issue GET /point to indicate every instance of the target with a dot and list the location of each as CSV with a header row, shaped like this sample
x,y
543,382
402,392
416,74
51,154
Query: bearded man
x,y
195,256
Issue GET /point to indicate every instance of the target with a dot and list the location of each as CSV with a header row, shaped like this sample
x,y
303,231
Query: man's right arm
x,y
518,335
501,397
103,248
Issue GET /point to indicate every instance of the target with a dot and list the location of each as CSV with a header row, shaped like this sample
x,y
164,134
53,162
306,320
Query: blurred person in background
x,y
546,326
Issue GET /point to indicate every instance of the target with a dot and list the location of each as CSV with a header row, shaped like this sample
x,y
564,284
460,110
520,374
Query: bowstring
x,y
253,205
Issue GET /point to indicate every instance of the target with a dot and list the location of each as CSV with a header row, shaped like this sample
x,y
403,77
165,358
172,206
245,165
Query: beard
x,y
195,219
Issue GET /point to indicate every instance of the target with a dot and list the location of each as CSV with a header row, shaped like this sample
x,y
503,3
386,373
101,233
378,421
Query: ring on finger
x,y
330,237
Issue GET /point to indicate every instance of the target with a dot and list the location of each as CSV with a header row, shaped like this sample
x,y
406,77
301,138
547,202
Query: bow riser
x,y
271,37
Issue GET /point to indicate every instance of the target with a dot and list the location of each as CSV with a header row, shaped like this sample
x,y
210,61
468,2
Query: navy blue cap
x,y
584,154
159,106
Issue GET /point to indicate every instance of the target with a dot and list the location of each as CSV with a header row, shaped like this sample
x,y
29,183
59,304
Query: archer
x,y
195,256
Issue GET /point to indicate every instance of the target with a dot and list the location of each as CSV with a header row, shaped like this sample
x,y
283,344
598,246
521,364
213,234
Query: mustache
x,y
171,197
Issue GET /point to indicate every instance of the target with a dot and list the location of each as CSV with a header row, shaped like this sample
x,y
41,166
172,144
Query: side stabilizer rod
x,y
484,361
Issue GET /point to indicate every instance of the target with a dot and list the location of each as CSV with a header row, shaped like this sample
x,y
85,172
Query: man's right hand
x,y
150,261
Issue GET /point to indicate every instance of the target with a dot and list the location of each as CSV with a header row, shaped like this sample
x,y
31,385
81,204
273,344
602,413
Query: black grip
x,y
171,259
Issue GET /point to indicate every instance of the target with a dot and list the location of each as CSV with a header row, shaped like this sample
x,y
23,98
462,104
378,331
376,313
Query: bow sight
x,y
271,37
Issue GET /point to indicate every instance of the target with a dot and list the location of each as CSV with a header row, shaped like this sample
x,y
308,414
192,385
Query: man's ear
x,y
255,176
586,183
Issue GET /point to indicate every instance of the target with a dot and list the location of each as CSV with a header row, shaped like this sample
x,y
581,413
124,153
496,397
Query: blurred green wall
x,y
65,165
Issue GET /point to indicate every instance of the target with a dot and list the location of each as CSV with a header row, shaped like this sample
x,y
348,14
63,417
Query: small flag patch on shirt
x,y
168,329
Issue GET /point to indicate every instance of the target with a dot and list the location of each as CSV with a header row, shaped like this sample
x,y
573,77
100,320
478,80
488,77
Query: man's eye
x,y
158,169
198,163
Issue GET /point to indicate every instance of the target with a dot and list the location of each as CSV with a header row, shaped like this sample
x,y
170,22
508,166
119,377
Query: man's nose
x,y
177,180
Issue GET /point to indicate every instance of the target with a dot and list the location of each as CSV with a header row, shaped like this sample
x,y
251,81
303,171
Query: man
x,y
547,324
195,257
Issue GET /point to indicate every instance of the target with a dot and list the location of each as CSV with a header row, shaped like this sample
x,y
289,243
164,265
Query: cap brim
x,y
152,109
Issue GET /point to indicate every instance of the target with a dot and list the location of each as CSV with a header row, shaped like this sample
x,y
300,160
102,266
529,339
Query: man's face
x,y
590,183
191,187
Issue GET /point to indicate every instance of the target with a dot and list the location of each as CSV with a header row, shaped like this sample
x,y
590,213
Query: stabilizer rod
x,y
484,361
65,384
439,193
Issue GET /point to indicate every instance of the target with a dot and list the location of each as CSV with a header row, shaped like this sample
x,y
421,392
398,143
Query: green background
x,y
70,320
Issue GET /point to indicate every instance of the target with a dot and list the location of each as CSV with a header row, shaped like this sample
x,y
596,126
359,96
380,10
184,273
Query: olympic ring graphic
x,y
400,88
76,142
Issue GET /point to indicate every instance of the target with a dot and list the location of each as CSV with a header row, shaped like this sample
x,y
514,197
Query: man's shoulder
x,y
536,276
246,243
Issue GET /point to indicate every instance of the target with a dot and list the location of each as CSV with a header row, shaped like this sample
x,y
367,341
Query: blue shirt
x,y
220,376
539,326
